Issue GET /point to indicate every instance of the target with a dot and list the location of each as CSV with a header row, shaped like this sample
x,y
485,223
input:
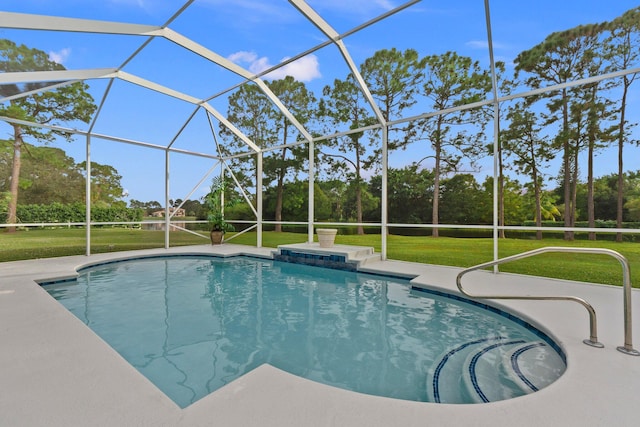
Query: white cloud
x,y
304,69
60,56
242,57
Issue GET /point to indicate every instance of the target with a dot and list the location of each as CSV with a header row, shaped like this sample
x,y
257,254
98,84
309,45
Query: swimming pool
x,y
192,324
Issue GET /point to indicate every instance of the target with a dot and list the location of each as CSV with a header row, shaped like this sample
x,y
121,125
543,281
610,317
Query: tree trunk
x,y
359,207
358,190
536,186
436,197
620,195
436,185
574,189
590,202
500,194
566,164
280,193
592,131
15,179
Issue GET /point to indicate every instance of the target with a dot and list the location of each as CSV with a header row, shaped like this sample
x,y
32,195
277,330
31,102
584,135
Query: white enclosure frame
x,y
50,23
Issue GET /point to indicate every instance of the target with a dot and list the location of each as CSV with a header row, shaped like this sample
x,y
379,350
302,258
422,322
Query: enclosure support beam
x,y
312,181
25,21
167,219
383,204
259,199
496,137
87,182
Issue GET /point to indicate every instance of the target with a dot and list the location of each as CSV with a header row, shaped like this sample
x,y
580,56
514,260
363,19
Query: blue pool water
x,y
192,324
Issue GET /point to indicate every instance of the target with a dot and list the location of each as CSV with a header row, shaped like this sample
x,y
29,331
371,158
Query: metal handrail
x,y
627,348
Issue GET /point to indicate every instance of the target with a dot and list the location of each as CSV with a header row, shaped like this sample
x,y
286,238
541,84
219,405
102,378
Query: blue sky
x,y
258,34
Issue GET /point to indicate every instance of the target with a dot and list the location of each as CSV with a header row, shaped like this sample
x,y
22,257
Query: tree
x,y
334,190
393,78
47,175
409,196
295,204
586,112
5,196
505,87
512,202
356,196
249,110
193,208
548,204
622,50
605,195
632,205
460,198
154,206
343,103
106,188
252,112
453,81
530,151
323,207
146,206
561,58
53,107
287,160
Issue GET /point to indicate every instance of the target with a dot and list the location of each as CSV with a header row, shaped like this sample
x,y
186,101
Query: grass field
x,y
459,252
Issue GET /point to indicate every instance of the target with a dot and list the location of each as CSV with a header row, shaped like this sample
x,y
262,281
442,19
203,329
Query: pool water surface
x,y
192,324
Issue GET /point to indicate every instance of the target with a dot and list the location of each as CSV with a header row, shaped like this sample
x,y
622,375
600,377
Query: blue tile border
x,y
516,366
445,359
56,281
47,282
144,257
333,261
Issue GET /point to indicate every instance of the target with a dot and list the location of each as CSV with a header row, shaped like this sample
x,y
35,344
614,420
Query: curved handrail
x,y
627,348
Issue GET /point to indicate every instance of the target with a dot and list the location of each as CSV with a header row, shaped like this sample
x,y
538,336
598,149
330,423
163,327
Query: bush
x,y
76,212
599,223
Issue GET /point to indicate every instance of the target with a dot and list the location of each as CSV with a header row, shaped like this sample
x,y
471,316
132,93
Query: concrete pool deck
x,y
55,371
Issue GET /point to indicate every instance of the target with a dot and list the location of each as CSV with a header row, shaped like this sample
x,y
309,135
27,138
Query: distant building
x,y
178,212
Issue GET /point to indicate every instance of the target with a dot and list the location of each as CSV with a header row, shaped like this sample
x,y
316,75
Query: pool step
x,y
366,259
444,379
534,365
493,369
342,257
484,375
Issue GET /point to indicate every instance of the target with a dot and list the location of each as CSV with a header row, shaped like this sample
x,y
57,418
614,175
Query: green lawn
x,y
45,243
460,252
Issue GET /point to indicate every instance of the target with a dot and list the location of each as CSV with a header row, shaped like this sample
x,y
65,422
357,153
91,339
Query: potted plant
x,y
215,204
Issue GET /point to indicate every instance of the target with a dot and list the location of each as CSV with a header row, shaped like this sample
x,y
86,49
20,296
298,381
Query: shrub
x,y
76,212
